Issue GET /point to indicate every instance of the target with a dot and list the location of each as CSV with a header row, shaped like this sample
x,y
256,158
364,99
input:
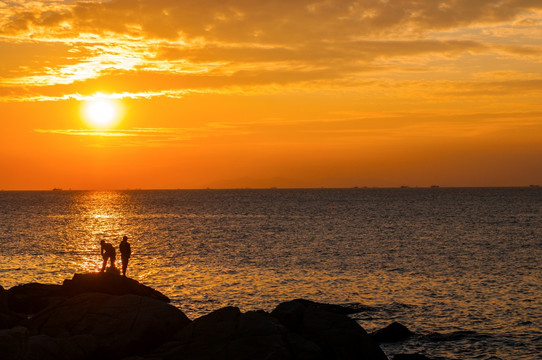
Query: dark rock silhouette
x,y
14,343
32,298
453,336
295,330
112,284
346,309
44,347
107,316
8,318
392,333
120,325
337,335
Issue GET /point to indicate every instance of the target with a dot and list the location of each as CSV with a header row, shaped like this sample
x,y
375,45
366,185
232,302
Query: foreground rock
x,y
298,329
92,317
32,298
114,326
392,333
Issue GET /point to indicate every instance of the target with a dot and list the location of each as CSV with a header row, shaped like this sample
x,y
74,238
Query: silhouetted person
x,y
125,252
108,252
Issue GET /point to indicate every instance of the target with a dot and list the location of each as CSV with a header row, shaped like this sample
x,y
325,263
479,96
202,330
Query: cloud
x,y
510,87
170,48
152,137
270,21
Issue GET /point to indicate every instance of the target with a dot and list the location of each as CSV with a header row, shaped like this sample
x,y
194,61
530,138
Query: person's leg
x,y
123,260
113,261
104,263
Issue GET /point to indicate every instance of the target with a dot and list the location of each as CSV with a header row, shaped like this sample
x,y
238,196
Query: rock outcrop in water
x,y
105,316
392,333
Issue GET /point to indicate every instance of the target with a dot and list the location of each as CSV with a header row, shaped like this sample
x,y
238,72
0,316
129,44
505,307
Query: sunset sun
x,y
101,112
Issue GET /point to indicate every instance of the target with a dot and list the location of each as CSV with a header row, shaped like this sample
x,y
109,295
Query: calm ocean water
x,y
465,263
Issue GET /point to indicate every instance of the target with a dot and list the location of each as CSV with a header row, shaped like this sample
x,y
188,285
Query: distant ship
x,y
57,189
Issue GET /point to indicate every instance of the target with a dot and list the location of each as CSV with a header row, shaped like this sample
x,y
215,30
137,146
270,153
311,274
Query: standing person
x,y
108,252
125,252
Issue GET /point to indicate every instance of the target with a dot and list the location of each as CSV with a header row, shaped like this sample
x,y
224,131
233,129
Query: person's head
x,y
124,238
102,242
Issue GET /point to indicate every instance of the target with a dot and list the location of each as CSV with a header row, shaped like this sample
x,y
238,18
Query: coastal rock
x,y
109,283
346,309
32,298
8,318
295,330
392,333
337,335
98,316
43,347
122,325
453,336
229,334
14,343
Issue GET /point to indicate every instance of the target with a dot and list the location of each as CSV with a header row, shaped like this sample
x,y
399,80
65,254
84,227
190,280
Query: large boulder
x,y
339,336
229,334
8,318
33,297
346,309
296,330
109,283
79,347
392,333
122,325
14,343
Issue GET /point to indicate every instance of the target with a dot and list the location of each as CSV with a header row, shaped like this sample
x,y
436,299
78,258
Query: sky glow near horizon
x,y
277,93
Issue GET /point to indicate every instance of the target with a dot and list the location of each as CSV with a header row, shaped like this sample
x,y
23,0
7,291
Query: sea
x,y
460,267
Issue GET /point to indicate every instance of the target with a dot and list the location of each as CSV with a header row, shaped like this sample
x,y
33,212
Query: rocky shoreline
x,y
107,316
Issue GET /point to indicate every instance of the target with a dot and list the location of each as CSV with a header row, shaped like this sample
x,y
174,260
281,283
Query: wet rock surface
x,y
392,333
106,316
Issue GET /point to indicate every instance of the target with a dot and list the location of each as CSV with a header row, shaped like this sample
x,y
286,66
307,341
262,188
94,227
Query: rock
x,y
392,333
32,298
80,347
122,325
3,300
290,314
8,318
346,309
410,357
106,316
229,334
109,283
453,336
14,343
338,336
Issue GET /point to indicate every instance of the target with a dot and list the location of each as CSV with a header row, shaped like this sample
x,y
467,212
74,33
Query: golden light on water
x,y
102,219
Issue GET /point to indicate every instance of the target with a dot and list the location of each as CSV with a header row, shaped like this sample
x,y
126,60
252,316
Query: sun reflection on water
x,y
101,216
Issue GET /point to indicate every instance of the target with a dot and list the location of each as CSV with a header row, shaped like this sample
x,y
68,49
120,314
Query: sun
x,y
101,112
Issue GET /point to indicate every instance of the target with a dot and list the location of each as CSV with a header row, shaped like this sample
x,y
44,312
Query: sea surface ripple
x,y
459,267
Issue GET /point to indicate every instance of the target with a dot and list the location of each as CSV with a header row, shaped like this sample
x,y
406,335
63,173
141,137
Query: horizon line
x,y
284,188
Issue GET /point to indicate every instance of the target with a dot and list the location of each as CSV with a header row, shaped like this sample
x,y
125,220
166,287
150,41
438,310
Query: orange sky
x,y
271,93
